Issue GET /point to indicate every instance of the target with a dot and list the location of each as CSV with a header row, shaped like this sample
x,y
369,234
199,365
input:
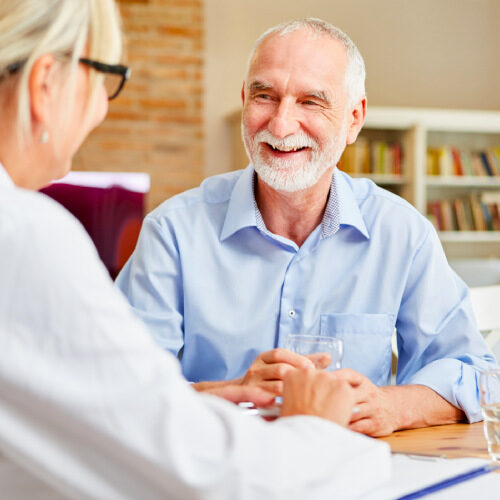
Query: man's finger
x,y
320,359
275,371
363,426
273,386
360,412
352,376
284,356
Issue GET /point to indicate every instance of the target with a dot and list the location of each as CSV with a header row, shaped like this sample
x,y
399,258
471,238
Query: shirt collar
x,y
5,179
341,209
349,212
240,211
330,221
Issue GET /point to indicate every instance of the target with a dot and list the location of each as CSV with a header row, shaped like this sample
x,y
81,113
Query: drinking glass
x,y
489,384
312,344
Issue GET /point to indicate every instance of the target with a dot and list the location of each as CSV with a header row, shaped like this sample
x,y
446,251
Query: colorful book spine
x,y
375,157
451,161
476,212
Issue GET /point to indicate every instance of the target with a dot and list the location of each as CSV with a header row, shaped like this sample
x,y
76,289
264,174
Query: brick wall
x,y
156,124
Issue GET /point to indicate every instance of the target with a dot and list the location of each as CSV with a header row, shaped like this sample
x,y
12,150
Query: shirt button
x,y
291,313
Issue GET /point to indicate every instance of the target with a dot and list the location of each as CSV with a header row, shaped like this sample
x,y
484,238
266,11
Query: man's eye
x,y
265,97
310,103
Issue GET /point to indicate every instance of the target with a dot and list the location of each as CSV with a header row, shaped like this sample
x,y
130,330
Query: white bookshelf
x,y
463,182
417,129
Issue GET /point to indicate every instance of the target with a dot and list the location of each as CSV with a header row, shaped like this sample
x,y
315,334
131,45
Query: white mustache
x,y
288,143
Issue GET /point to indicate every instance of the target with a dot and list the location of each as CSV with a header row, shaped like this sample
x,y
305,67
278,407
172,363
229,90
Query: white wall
x,y
429,53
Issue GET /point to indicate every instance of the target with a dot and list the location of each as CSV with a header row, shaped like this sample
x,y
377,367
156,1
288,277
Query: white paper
x,y
486,487
412,473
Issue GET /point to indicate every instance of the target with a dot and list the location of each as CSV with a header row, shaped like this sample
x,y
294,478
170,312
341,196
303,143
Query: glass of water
x,y
312,344
489,384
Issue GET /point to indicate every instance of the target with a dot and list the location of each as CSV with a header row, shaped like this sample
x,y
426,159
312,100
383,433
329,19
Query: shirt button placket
x,y
289,314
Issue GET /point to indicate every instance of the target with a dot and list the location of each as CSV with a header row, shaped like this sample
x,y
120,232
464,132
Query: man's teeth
x,y
287,149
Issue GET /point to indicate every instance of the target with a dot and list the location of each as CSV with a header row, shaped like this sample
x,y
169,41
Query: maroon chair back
x,y
112,217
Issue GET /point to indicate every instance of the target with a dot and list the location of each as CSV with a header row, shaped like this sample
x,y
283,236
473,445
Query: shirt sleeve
x,y
151,282
438,340
92,406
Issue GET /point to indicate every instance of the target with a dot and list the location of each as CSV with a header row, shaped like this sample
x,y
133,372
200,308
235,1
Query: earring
x,y
44,139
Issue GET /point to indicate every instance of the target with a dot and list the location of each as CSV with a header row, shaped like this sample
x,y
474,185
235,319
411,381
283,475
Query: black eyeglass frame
x,y
112,69
14,67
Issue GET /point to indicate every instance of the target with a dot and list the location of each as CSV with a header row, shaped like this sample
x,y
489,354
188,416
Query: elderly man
x,y
223,273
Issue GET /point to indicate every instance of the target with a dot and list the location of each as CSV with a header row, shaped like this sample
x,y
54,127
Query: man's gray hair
x,y
355,73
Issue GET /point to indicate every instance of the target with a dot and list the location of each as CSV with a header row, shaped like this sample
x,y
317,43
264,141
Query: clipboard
x,y
415,476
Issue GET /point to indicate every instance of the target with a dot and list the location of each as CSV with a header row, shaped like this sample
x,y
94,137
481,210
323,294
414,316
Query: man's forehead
x,y
299,53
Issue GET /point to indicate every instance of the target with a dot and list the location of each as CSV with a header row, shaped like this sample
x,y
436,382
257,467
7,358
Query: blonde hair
x,y
64,28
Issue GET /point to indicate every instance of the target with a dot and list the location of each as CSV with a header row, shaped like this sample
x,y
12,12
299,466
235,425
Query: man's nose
x,y
284,121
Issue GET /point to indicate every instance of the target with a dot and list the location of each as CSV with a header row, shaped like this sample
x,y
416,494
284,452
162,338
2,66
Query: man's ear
x,y
356,120
243,93
41,88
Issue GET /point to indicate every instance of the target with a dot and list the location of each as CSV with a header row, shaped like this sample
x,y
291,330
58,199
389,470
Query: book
x,y
457,162
487,217
495,168
477,213
436,211
495,216
446,215
432,162
430,216
468,214
465,158
477,165
460,213
446,167
397,158
486,163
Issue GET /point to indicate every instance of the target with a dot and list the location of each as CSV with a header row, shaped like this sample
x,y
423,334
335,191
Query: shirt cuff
x,y
454,381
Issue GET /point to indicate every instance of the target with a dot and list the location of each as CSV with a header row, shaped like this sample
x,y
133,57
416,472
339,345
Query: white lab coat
x,y
93,408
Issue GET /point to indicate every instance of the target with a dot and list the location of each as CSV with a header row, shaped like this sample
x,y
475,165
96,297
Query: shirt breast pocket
x,y
367,342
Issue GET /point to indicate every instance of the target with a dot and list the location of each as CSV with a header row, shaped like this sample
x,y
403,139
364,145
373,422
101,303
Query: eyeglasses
x,y
115,75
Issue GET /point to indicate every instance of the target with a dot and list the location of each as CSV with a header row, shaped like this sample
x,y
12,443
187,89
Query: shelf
x,y
383,179
469,236
463,181
433,119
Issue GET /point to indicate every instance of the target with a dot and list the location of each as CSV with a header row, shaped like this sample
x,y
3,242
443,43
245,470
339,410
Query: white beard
x,y
292,175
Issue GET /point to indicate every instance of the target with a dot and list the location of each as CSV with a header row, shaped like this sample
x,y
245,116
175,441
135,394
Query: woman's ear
x,y
41,86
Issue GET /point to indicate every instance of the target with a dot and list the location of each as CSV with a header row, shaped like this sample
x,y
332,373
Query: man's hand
x,y
319,393
375,413
240,393
379,411
268,371
270,368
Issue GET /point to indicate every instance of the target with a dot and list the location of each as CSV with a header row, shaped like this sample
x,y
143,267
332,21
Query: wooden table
x,y
452,441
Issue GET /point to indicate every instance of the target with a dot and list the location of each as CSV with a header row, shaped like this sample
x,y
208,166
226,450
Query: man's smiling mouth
x,y
286,149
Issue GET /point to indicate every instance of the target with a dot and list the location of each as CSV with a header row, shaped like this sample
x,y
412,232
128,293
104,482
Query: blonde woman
x,y
88,403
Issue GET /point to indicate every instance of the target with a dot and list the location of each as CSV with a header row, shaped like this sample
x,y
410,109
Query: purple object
x,y
112,216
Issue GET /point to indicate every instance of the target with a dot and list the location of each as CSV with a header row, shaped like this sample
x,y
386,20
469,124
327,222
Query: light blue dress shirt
x,y
216,288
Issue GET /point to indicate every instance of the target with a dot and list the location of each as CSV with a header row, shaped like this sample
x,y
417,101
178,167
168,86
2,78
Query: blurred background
x,y
177,119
